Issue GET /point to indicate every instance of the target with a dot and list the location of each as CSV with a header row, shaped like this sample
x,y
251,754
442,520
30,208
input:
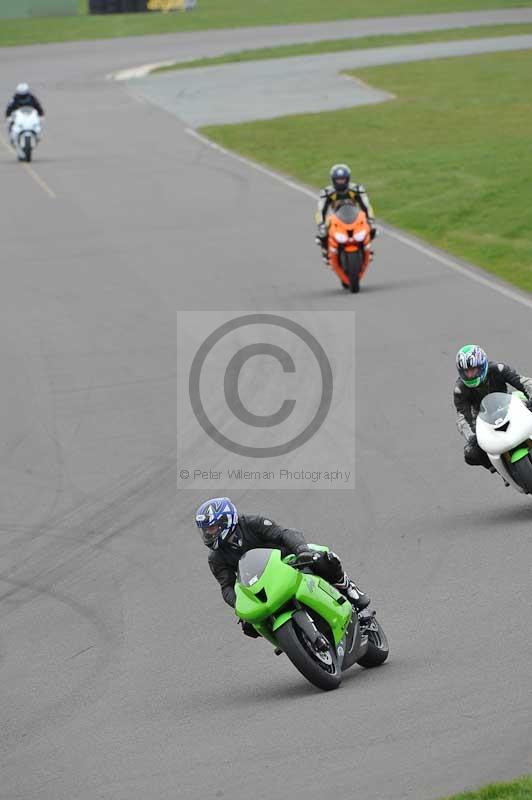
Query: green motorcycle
x,y
305,617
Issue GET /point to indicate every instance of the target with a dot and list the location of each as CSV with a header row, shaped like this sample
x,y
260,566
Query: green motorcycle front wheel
x,y
521,472
320,668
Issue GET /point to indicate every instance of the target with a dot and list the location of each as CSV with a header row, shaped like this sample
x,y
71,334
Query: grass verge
x,y
448,159
520,789
226,14
364,43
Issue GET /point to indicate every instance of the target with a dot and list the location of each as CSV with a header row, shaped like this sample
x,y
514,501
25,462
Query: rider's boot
x,y
356,597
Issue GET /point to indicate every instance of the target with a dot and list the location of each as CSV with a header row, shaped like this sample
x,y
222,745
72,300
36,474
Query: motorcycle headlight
x,y
341,238
360,236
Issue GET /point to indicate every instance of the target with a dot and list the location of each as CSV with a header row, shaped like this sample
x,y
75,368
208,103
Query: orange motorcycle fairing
x,y
348,232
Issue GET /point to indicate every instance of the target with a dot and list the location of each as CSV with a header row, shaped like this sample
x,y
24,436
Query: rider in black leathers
x,y
23,97
491,377
249,532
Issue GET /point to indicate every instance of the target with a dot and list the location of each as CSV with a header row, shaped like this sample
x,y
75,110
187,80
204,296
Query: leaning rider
x,y
229,536
341,189
478,377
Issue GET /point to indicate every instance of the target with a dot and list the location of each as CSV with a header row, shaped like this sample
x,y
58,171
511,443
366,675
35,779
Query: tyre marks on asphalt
x,y
72,579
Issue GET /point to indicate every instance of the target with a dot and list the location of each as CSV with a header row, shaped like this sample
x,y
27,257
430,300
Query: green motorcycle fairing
x,y
268,592
518,454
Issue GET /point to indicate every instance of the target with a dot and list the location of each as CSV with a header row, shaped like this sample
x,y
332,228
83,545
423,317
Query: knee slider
x,y
471,455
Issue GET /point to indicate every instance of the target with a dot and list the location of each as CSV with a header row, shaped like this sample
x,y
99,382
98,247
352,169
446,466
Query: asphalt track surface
x,y
242,92
122,674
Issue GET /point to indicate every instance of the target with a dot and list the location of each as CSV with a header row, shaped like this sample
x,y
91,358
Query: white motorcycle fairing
x,y
503,424
25,131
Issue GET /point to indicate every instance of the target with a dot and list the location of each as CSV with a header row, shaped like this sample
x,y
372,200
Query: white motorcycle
x,y
25,131
504,432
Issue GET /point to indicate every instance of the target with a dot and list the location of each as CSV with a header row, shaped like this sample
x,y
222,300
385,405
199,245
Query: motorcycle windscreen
x,y
347,213
494,408
252,565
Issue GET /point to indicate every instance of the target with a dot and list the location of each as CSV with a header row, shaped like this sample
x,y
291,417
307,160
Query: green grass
x,y
520,789
448,159
337,45
226,14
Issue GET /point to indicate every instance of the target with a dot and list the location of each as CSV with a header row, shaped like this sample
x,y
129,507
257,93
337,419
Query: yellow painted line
x,y
31,172
42,183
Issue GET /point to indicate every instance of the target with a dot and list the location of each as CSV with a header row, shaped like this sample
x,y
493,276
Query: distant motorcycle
x,y
305,617
25,132
349,239
504,432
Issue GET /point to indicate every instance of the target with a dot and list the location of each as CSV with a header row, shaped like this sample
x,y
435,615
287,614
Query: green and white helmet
x,y
472,365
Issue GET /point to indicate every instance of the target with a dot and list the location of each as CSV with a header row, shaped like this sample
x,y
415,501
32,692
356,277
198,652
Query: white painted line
x,y
31,172
253,164
137,72
448,262
511,294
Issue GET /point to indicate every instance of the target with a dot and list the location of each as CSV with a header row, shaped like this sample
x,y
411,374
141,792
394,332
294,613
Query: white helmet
x,y
22,89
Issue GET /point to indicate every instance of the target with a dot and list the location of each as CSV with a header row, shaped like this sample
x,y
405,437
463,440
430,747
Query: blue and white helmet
x,y
216,519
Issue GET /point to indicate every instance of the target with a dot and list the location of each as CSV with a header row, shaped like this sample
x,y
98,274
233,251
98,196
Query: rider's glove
x,y
330,567
332,559
305,553
248,629
472,441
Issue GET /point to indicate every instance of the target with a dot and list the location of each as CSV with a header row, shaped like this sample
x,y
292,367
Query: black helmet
x,y
340,177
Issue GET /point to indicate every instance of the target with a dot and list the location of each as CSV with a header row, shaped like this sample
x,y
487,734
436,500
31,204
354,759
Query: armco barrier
x,y
12,9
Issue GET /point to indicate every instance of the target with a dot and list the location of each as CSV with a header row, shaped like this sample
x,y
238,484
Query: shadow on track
x,y
372,288
405,283
276,690
494,519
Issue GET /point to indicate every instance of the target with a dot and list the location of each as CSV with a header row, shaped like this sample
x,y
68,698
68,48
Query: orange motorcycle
x,y
348,244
